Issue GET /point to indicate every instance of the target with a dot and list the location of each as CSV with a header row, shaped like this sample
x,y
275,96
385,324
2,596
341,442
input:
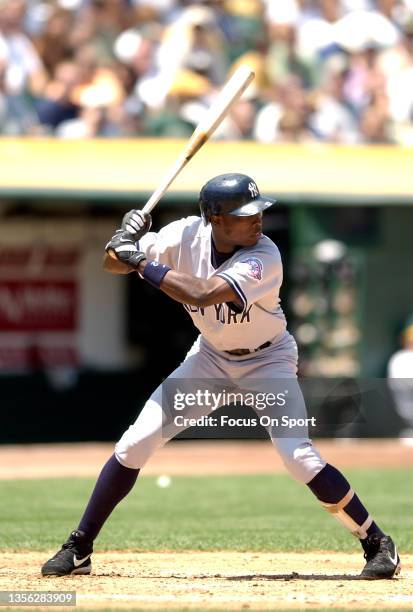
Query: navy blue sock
x,y
114,483
330,486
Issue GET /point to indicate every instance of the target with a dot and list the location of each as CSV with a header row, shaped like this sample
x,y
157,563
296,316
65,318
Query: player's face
x,y
230,231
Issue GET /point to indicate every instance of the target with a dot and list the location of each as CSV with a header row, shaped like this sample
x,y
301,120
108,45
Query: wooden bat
x,y
230,93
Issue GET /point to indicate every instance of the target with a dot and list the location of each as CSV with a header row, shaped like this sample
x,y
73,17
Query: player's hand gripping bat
x,y
230,93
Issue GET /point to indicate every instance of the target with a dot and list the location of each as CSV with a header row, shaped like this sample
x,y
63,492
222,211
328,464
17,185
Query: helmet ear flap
x,y
208,208
205,212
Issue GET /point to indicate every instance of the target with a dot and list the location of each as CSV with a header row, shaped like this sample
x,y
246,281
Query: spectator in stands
x,y
22,75
191,42
24,69
397,64
287,111
400,379
96,89
332,119
105,19
375,126
293,127
52,43
348,64
58,103
184,105
283,59
239,124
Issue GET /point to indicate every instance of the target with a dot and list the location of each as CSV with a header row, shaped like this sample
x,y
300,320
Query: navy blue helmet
x,y
231,194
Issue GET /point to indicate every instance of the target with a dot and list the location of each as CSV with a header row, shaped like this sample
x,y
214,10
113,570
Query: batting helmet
x,y
231,194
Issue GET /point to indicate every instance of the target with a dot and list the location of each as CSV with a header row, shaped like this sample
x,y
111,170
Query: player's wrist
x,y
141,267
154,273
136,259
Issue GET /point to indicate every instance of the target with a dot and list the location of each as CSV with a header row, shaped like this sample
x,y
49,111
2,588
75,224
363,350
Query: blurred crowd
x,y
336,71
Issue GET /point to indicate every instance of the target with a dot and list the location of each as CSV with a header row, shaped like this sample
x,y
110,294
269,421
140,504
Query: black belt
x,y
248,351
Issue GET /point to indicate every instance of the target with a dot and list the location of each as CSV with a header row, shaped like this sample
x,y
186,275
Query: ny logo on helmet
x,y
253,189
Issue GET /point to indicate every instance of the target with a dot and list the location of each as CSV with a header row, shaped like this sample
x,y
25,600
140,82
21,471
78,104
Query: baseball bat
x,y
230,93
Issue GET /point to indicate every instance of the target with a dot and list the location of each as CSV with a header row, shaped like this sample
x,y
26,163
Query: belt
x,y
240,352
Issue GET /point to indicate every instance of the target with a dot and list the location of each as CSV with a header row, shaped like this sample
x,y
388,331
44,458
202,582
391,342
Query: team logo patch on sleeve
x,y
255,267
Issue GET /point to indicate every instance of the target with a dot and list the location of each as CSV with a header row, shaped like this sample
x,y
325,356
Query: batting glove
x,y
124,247
137,223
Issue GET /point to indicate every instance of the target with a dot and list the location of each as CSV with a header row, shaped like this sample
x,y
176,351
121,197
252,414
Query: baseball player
x,y
227,275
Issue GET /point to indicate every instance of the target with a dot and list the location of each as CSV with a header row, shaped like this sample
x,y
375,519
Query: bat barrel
x,y
226,98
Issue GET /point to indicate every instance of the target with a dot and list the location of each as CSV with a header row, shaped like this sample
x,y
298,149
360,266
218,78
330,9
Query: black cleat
x,y
72,558
381,555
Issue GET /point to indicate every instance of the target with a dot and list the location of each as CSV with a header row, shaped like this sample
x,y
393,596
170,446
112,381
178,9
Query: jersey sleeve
x,y
255,276
164,246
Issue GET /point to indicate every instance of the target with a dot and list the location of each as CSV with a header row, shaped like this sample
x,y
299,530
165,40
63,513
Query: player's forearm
x,y
185,288
181,287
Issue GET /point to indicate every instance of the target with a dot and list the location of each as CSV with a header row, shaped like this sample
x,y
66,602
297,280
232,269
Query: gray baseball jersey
x,y
255,274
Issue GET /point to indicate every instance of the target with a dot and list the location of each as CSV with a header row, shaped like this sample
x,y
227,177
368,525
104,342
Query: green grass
x,y
260,513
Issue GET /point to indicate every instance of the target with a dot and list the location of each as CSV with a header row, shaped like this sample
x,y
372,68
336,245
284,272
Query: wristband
x,y
154,273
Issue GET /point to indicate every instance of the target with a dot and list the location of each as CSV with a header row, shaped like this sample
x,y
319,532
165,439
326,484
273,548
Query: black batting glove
x,y
137,223
124,247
